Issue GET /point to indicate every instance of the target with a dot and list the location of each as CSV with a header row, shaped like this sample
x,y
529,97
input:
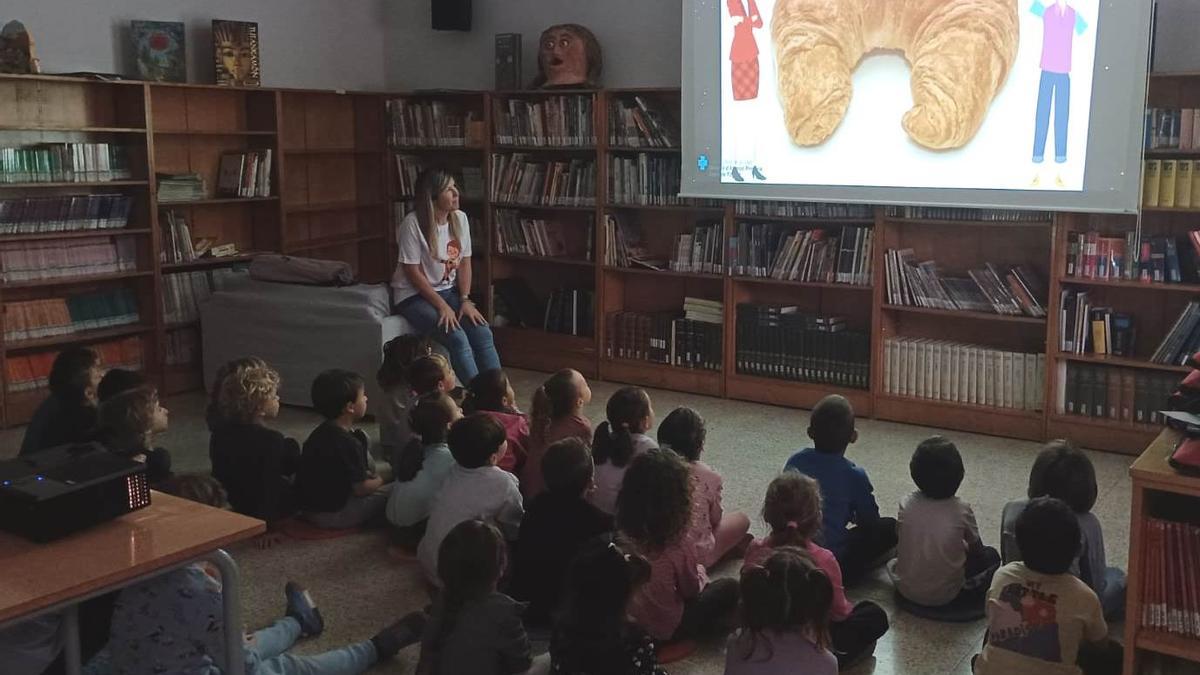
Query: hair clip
x,y
792,525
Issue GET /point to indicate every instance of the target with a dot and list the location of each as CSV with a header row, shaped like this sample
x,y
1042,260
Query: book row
x,y
551,121
1085,329
74,213
429,123
569,311
1012,291
1171,577
28,372
1183,339
780,209
781,342
1171,183
178,245
636,122
30,261
1172,128
183,347
531,236
33,319
663,337
1114,394
408,169
967,215
245,174
644,179
517,179
813,255
182,295
701,250
941,370
64,163
182,187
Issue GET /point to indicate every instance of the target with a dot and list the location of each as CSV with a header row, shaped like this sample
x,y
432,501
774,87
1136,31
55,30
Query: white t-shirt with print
x,y
441,270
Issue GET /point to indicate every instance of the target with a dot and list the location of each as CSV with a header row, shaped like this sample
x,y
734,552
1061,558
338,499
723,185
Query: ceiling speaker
x,y
451,15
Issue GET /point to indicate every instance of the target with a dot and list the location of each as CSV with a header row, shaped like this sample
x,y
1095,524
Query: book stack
x,y
36,260
71,213
1172,129
528,236
665,338
1171,578
1183,339
550,121
427,123
701,250
64,163
941,370
1093,330
177,243
644,179
781,342
965,214
780,251
470,183
183,347
182,295
183,187
636,122
803,210
1114,394
625,245
1171,183
408,168
29,372
35,319
518,179
569,311
1014,291
245,174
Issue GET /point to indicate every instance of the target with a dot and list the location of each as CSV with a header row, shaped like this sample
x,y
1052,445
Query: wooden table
x,y
39,579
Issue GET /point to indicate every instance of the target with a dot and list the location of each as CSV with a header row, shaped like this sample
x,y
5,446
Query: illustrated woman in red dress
x,y
743,66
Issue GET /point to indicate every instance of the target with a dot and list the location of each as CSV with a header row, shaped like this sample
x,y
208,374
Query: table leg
x,y
71,648
231,600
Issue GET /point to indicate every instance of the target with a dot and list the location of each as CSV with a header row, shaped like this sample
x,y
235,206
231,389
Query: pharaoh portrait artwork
x,y
235,53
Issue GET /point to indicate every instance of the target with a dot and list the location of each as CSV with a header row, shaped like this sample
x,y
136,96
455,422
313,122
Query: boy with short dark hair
x,y
556,525
848,496
940,560
1041,619
474,488
337,483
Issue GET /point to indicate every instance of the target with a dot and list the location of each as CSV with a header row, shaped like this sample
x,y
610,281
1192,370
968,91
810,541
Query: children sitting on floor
x,y
654,510
618,440
473,628
213,415
593,633
337,481
785,618
1041,618
1063,472
556,524
422,468
847,493
940,560
714,533
474,488
68,415
556,413
792,509
490,392
129,422
392,413
117,380
427,375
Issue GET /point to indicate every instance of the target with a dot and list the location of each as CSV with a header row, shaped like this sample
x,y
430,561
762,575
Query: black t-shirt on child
x,y
332,462
255,464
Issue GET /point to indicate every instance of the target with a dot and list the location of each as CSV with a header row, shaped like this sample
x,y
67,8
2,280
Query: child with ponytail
x,y
556,413
618,440
490,392
792,509
786,603
422,466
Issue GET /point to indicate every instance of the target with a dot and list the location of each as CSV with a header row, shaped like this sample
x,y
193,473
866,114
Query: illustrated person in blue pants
x,y
1061,23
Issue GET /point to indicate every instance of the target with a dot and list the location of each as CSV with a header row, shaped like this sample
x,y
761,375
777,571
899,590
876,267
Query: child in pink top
x,y
714,533
653,513
491,393
792,509
617,441
556,413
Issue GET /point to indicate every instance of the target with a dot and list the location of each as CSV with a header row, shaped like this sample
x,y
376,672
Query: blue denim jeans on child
x,y
1056,86
267,654
471,347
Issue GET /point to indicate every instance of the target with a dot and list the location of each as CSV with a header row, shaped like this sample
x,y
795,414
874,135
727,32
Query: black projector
x,y
57,491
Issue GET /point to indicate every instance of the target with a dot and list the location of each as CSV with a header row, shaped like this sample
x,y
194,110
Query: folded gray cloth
x,y
292,270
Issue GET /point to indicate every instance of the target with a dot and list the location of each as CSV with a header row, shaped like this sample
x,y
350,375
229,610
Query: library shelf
x,y
1168,209
182,377
332,151
77,234
771,281
330,242
980,419
1169,288
511,147
964,314
70,129
436,148
181,325
74,184
941,222
1124,362
652,151
219,200
76,280
1166,643
1101,434
325,207
661,376
1172,152
19,406
541,207
543,259
208,263
664,207
1182,74
81,337
793,393
536,349
804,220
640,271
213,132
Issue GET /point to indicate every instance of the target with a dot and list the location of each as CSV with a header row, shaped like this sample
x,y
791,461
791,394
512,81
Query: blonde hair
x,y
431,183
129,415
245,392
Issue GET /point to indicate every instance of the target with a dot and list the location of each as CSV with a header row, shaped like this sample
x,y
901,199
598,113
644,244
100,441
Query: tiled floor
x,y
360,588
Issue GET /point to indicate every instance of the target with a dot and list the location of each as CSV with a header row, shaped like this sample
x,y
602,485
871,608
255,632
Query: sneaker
x,y
300,606
389,641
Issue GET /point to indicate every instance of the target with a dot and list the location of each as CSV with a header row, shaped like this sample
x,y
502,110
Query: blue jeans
x,y
267,654
471,347
1055,86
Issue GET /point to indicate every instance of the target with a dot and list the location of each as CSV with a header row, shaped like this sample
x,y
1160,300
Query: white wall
x,y
323,44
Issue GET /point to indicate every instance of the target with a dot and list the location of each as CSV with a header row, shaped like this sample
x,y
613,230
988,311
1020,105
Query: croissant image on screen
x,y
960,53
